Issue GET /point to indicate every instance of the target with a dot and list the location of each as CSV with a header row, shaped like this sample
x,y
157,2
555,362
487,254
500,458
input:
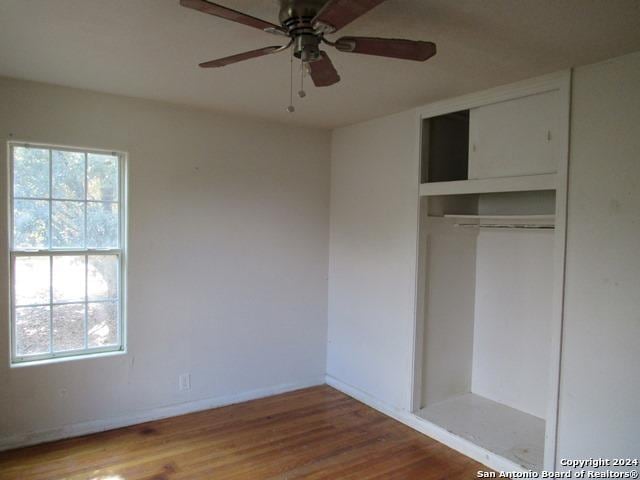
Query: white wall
x,y
228,257
600,391
513,310
449,304
374,192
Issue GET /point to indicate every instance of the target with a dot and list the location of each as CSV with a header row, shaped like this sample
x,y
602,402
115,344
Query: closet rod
x,y
506,226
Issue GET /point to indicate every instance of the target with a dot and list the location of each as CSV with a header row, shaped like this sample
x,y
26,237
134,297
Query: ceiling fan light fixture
x,y
306,47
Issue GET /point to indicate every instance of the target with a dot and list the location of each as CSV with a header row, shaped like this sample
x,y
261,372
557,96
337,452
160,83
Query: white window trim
x,y
121,252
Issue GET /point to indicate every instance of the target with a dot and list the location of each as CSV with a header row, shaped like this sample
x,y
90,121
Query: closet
x,y
490,274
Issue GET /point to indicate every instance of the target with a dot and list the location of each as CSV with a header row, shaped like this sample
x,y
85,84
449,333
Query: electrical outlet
x,y
184,381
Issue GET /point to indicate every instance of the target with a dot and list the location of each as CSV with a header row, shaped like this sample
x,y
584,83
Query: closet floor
x,y
510,433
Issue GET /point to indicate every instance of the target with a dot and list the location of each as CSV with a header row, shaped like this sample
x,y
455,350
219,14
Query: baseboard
x,y
471,450
95,426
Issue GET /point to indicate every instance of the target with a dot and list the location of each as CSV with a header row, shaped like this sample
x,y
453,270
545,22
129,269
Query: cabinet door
x,y
515,137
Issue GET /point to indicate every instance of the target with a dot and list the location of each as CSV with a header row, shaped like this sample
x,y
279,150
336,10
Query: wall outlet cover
x,y
185,381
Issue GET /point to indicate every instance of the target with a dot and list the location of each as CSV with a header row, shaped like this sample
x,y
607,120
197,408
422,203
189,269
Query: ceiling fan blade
x,y
229,14
322,71
338,13
221,62
388,47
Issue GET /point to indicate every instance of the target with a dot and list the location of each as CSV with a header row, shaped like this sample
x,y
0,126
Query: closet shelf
x,y
505,218
524,183
500,221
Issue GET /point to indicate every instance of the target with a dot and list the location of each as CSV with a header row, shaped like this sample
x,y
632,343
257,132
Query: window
x,y
67,252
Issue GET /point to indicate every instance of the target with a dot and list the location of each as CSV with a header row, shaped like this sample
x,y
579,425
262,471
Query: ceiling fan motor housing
x,y
299,9
296,16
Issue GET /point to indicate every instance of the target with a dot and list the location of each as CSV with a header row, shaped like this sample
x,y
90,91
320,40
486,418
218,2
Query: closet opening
x,y
445,147
487,291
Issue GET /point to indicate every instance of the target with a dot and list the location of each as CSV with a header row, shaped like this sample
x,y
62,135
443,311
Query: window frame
x,y
51,252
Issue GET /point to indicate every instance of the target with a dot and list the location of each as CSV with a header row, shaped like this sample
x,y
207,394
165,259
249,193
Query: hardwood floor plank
x,y
315,433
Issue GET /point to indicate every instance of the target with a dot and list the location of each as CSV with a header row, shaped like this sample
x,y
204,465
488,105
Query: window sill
x,y
70,358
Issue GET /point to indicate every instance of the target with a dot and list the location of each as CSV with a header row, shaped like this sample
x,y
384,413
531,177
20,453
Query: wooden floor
x,y
313,433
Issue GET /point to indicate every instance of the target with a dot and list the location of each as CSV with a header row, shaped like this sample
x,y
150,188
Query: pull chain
x,y
291,108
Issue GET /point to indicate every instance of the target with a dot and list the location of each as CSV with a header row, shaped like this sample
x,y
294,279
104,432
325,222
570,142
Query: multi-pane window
x,y
67,257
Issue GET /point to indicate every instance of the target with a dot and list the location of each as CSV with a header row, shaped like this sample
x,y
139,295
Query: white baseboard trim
x,y
471,450
95,426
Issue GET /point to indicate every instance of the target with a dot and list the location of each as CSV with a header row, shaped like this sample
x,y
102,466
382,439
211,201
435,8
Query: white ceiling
x,y
151,48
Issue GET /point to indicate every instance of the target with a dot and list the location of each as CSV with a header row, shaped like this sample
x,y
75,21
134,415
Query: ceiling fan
x,y
305,23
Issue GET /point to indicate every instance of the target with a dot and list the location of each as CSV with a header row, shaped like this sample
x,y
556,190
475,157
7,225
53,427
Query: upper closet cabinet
x,y
515,137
